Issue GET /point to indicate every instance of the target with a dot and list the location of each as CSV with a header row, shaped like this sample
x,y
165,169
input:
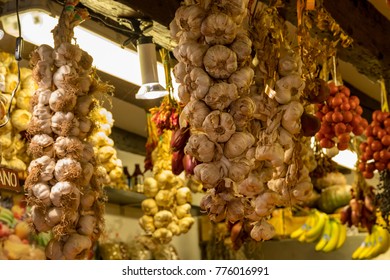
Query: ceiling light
x,y
108,56
150,88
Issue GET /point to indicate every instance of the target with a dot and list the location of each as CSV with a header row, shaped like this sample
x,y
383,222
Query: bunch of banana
x,y
375,243
7,217
312,229
333,236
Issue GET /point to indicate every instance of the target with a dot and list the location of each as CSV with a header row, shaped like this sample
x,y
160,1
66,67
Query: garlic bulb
x,y
67,169
197,83
190,53
242,110
62,101
235,210
194,113
288,88
179,71
239,169
219,126
42,74
40,145
219,29
41,169
251,186
242,46
233,8
272,152
189,19
59,190
146,223
184,94
238,144
40,96
67,54
183,195
64,77
162,219
64,124
68,147
209,173
266,202
200,147
220,62
289,64
20,119
84,104
41,191
291,117
262,231
149,207
220,95
242,78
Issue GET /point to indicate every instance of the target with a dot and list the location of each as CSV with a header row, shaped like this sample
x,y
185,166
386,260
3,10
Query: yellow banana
x,y
381,243
302,230
334,236
325,236
363,246
371,245
343,235
315,232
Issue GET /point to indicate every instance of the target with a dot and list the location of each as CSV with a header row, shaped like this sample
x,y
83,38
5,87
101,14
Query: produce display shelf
x,y
134,199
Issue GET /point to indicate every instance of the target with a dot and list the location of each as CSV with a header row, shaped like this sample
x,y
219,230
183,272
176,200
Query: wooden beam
x,y
370,31
162,11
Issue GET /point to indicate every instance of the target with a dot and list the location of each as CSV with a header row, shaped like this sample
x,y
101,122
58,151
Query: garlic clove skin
x,y
202,149
220,95
194,113
238,144
243,79
218,29
220,62
189,20
289,88
262,231
242,46
219,126
198,83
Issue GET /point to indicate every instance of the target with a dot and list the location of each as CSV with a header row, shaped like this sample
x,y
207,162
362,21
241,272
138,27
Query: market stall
x,y
238,129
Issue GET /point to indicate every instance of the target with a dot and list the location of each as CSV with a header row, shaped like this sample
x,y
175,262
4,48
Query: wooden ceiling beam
x,y
161,11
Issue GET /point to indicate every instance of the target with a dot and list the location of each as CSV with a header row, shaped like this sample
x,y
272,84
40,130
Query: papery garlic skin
x,y
219,29
219,126
220,62
220,95
197,83
200,147
189,20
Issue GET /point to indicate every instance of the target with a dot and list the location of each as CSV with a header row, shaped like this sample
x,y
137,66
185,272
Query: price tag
x,y
9,180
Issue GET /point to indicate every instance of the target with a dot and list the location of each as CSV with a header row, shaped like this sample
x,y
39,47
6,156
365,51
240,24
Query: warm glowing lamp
x,y
150,87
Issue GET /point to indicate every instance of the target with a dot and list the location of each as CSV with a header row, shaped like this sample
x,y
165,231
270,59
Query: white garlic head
x,y
220,62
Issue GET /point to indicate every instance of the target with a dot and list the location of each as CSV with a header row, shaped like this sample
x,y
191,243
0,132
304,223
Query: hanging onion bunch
x,y
167,208
12,139
166,116
63,185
